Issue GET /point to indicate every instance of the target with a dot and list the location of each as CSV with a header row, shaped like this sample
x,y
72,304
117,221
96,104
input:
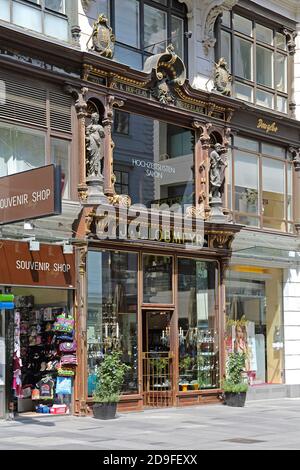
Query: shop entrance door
x,y
158,358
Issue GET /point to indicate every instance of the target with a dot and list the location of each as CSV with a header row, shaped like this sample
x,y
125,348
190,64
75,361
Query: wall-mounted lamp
x,y
28,225
34,245
68,249
278,339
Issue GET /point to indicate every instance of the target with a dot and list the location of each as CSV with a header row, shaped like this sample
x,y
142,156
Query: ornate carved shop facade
x,y
152,282
149,281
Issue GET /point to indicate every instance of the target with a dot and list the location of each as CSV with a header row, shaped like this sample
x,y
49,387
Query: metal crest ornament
x,y
103,39
168,70
222,78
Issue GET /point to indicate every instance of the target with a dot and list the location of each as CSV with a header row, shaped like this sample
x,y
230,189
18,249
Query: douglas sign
x,y
30,195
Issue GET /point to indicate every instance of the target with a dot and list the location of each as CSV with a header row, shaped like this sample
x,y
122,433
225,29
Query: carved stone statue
x,y
103,39
95,147
295,157
217,172
222,78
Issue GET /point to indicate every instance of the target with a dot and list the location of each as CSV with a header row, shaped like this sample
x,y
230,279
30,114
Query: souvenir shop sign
x,y
49,267
30,195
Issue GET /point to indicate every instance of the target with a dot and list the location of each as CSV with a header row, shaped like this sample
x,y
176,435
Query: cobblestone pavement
x,y
273,424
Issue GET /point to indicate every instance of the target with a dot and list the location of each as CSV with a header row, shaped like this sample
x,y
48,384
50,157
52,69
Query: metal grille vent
x,y
23,102
60,112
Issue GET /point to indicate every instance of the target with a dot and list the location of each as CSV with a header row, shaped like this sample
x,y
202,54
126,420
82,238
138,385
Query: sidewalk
x,y
273,424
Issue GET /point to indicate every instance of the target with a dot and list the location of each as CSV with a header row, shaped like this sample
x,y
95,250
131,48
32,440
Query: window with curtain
x,y
260,190
258,59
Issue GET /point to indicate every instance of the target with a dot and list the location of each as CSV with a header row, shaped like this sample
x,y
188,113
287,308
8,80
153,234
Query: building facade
x,y
180,194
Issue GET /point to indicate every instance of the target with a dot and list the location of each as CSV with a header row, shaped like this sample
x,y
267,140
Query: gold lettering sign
x,y
268,127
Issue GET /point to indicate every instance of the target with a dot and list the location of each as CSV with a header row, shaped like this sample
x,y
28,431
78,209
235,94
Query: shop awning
x,y
284,257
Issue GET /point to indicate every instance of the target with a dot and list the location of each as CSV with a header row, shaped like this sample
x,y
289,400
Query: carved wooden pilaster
x,y
226,143
295,157
291,47
108,121
224,266
81,109
81,332
202,167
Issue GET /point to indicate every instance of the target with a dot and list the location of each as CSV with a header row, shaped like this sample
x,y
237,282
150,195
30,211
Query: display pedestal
x,y
96,195
217,215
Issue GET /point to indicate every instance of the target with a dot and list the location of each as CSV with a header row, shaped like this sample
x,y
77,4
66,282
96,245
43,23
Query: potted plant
x,y
194,385
185,366
109,380
235,387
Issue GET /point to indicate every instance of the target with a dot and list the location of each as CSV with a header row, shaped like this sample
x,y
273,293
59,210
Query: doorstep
x,y
273,392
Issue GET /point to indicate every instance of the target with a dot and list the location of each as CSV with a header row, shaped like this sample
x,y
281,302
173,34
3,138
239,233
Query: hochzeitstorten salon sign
x,y
30,195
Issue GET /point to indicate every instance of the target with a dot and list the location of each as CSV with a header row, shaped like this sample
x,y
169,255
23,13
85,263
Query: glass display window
x,y
158,284
198,325
159,160
112,312
255,317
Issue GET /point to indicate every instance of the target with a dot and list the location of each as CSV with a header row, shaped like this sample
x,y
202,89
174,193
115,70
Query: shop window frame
x,y
255,43
220,325
171,304
260,217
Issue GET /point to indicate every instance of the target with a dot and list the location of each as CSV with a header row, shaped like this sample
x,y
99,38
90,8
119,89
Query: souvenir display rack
x,y
44,357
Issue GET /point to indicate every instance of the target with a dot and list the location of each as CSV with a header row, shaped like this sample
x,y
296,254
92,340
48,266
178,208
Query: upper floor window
x,y
38,133
145,27
42,16
258,59
261,185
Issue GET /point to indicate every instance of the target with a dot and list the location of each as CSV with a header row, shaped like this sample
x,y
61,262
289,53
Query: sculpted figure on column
x,y
217,171
95,147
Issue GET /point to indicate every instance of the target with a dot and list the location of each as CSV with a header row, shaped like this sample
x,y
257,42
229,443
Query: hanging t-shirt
x,y
46,387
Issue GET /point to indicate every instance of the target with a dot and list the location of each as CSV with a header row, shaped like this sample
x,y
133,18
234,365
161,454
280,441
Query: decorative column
x,y
295,156
217,177
202,146
291,45
226,143
108,121
224,266
81,388
81,109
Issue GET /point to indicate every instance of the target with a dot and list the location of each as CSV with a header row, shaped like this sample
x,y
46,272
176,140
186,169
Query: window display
x,y
112,312
157,279
44,355
254,311
198,332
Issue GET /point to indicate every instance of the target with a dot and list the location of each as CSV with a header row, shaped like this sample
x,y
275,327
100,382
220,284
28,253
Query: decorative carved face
x,y
95,118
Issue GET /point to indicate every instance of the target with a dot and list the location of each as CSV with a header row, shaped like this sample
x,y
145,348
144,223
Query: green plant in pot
x,y
235,388
109,381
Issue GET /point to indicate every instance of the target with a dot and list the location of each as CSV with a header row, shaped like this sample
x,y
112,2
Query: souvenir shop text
x,y
44,267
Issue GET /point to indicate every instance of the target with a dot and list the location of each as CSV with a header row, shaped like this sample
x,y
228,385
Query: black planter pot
x,y
105,410
236,400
